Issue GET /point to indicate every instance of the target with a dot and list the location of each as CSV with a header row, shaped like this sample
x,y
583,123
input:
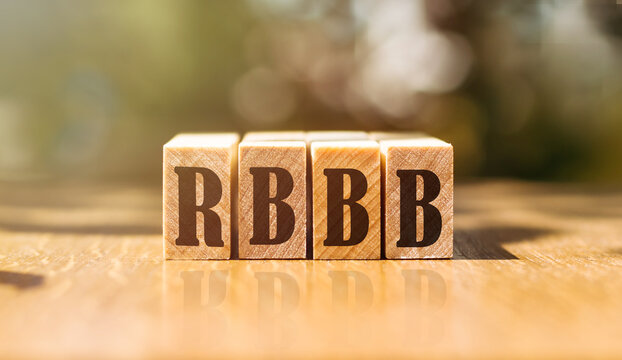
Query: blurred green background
x,y
527,89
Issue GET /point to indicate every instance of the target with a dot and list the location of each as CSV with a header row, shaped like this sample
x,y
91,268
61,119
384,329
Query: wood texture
x,y
362,156
312,136
535,274
428,154
291,157
216,152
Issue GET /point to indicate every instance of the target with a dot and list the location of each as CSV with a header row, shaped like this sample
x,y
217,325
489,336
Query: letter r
x,y
188,207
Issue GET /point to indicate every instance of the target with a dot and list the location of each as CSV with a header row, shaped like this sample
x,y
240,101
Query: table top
x,y
536,272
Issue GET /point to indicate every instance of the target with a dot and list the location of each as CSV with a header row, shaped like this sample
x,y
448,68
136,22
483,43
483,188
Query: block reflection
x,y
278,306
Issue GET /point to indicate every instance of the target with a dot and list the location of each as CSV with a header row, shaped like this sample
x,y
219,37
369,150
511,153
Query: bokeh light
x,y
522,89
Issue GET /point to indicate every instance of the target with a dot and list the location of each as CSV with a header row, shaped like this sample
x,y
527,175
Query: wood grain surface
x,y
217,153
290,156
535,274
362,156
421,154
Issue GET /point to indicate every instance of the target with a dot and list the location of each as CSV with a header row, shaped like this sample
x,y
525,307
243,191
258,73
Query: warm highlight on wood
x,y
350,171
277,170
199,156
423,166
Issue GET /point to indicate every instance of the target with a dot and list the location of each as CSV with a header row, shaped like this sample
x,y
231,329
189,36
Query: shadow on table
x,y
616,251
21,281
487,243
116,229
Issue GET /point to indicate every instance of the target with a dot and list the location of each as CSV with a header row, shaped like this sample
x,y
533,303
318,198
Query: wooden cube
x,y
418,193
313,136
198,171
272,197
346,199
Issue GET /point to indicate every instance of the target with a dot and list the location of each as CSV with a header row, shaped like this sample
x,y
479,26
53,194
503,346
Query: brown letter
x,y
188,207
336,202
408,208
261,205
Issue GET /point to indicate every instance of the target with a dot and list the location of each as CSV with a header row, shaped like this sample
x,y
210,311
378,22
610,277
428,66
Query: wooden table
x,y
537,272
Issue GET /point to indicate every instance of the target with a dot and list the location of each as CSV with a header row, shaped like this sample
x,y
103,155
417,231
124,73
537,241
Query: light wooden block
x,y
313,136
272,199
418,192
198,171
357,164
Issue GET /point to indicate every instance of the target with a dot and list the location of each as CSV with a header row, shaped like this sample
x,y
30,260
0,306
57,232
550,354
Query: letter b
x,y
335,205
432,220
285,218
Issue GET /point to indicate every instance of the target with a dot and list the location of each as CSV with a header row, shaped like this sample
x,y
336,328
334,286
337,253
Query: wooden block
x,y
313,136
272,199
418,192
290,136
198,171
346,199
